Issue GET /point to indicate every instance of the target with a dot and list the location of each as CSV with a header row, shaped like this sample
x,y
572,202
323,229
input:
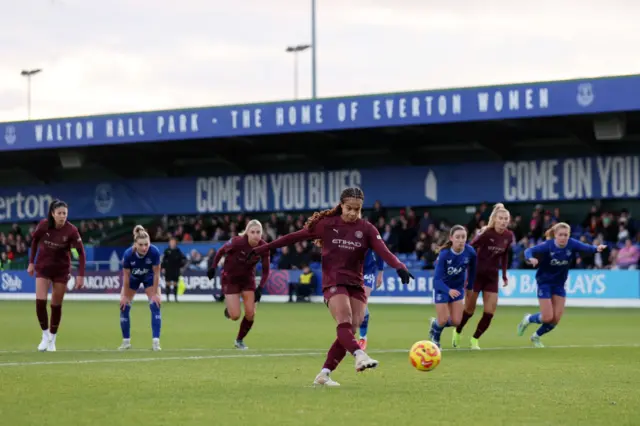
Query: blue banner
x,y
587,96
582,284
522,181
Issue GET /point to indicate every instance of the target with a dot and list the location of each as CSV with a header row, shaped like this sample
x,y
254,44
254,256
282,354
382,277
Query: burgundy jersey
x,y
236,264
344,247
493,251
53,246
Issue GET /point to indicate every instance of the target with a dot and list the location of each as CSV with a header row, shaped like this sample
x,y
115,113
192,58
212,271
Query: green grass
x,y
590,377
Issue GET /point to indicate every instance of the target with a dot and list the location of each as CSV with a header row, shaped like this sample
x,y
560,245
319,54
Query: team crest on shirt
x,y
466,260
358,234
568,252
148,261
64,239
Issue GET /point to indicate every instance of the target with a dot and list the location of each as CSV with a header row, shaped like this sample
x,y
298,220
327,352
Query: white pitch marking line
x,y
288,354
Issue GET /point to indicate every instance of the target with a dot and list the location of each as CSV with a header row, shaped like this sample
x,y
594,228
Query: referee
x,y
173,261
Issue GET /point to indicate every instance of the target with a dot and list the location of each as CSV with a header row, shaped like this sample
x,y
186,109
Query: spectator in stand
x,y
628,256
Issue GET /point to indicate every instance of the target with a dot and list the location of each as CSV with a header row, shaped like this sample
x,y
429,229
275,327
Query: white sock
x,y
126,340
358,352
325,371
52,337
156,340
527,319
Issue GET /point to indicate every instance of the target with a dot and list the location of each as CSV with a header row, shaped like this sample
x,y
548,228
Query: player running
x,y
455,258
141,266
239,277
492,247
345,241
53,240
373,274
553,258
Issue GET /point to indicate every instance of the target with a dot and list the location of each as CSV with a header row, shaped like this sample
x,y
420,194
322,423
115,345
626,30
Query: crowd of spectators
x,y
415,238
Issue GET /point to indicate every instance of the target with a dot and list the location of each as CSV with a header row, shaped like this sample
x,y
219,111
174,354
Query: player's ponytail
x,y
55,204
448,244
356,193
551,232
252,223
139,233
498,208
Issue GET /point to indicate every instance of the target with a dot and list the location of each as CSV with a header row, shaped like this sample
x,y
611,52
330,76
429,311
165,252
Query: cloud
x,y
126,55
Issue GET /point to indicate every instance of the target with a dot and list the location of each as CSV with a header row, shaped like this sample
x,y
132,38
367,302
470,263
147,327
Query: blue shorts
x,y
546,291
442,297
370,281
135,284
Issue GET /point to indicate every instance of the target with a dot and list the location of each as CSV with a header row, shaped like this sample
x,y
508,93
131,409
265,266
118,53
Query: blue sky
x,y
130,55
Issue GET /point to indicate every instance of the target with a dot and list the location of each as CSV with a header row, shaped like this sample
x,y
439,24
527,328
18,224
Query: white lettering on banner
x,y
619,176
279,191
530,178
587,284
533,98
218,194
255,193
299,114
342,111
394,285
64,131
199,283
19,206
102,282
249,119
572,179
181,123
417,107
125,127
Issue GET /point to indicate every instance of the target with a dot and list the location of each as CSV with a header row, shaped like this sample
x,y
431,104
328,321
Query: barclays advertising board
x,y
602,288
565,179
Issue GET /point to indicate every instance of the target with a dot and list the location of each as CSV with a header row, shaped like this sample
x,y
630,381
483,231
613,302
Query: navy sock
x,y
125,322
544,329
364,327
436,330
156,320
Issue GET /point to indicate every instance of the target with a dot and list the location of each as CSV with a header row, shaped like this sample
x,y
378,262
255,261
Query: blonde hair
x,y
551,232
498,208
139,233
251,224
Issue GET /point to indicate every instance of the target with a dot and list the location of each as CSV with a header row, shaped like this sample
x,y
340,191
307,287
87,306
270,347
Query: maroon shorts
x,y
486,284
232,285
353,291
54,276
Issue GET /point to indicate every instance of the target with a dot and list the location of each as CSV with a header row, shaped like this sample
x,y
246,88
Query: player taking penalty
x,y
141,267
53,240
492,247
345,240
239,277
553,259
455,259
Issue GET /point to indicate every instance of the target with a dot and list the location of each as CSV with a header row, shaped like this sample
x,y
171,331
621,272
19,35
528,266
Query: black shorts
x,y
171,276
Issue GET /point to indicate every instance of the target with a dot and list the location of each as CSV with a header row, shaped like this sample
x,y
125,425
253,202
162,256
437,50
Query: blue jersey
x,y
554,261
141,266
372,263
451,268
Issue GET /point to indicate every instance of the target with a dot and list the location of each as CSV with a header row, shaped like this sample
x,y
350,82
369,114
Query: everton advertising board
x,y
565,179
588,96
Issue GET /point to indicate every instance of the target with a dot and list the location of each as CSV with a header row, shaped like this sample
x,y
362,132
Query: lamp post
x,y
28,74
296,50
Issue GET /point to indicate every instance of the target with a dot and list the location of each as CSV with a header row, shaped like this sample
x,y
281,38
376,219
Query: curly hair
x,y
356,193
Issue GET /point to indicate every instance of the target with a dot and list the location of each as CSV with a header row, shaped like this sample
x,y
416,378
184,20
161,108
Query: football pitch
x,y
589,373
